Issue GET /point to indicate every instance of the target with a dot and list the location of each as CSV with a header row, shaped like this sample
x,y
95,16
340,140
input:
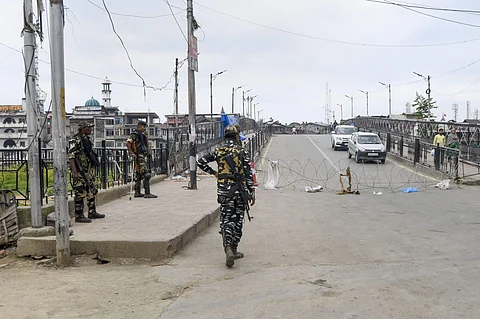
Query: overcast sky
x,y
288,72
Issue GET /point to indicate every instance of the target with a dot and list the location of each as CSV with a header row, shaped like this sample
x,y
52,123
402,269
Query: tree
x,y
422,104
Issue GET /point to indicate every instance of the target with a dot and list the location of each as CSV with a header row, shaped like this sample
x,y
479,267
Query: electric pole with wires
x,y
33,114
57,54
176,93
192,67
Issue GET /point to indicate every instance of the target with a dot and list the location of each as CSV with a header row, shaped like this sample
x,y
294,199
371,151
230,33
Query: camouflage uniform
x,y
232,207
139,144
84,187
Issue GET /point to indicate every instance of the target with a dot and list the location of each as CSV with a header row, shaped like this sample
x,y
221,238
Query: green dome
x,y
92,102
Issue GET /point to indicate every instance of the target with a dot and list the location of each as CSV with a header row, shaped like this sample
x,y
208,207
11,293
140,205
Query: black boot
x,y
236,253
95,215
79,217
146,185
92,210
229,257
138,193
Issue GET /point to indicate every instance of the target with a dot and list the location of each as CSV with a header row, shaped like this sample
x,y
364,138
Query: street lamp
x,y
259,111
243,101
366,93
351,101
389,97
428,91
341,111
233,97
212,78
255,110
250,108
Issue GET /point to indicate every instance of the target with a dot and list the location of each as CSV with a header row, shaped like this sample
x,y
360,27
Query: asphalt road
x,y
323,255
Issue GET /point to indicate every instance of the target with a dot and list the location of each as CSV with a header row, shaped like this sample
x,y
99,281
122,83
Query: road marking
x,y
412,171
266,153
324,155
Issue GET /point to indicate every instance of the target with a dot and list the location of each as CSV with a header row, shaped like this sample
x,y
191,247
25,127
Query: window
x,y
22,120
118,121
372,139
127,131
9,120
109,122
151,132
22,144
9,144
109,132
345,130
9,130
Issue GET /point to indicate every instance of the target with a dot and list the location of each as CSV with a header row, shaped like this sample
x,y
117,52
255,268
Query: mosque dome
x,y
92,102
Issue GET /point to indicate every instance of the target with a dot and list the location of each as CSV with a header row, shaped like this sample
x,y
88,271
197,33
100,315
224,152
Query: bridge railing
x,y
406,131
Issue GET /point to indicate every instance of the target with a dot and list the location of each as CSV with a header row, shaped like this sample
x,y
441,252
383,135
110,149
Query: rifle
x,y
88,183
244,193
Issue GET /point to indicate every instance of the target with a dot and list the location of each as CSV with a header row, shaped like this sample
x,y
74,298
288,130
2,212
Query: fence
x,y
115,163
443,159
466,161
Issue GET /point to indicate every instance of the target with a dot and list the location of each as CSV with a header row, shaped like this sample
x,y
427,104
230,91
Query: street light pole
x,y
233,97
212,78
389,97
192,102
427,78
341,111
351,102
366,93
250,109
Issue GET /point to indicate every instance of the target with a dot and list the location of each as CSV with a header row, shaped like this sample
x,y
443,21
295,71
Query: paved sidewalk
x,y
141,228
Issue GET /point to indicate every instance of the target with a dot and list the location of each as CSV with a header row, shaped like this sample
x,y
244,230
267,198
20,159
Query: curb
x,y
104,196
152,250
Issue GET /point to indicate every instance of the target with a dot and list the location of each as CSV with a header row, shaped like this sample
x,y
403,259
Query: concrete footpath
x,y
153,229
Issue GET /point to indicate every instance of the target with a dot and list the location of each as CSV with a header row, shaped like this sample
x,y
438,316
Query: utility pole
x,y
33,115
428,92
58,131
176,92
429,99
192,56
389,97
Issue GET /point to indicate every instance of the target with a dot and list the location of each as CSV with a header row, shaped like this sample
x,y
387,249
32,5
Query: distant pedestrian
x,y
83,163
234,179
439,142
137,145
453,143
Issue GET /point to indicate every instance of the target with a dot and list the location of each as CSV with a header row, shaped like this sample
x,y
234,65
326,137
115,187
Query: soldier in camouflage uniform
x,y
137,145
83,163
232,207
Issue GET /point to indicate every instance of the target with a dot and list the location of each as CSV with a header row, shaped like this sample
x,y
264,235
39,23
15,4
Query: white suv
x,y
341,136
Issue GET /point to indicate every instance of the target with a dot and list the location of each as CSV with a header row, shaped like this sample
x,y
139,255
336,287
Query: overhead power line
x,y
133,15
419,6
93,76
176,21
338,41
431,15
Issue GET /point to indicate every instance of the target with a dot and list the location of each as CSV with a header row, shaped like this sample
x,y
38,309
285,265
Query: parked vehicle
x,y
341,135
366,147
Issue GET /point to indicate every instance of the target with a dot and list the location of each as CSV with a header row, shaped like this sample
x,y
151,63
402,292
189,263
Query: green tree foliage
x,y
421,105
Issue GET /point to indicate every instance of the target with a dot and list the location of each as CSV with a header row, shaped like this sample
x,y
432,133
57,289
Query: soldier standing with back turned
x,y
137,145
83,163
229,192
